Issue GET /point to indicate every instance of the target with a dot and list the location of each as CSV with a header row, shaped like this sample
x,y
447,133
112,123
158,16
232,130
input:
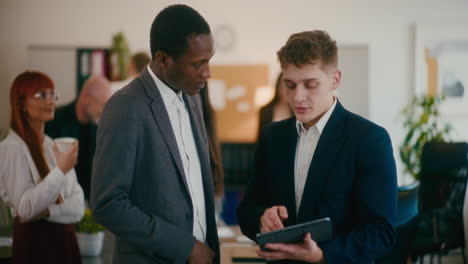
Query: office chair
x,y
407,210
407,203
443,179
238,160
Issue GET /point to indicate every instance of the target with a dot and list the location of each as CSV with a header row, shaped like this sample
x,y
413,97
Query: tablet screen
x,y
320,230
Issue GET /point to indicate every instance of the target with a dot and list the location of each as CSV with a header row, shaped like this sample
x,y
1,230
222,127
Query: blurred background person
x,y
79,120
36,180
137,64
277,109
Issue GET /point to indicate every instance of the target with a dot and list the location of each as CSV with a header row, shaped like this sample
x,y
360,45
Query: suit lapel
x,y
31,165
197,129
288,141
329,145
162,119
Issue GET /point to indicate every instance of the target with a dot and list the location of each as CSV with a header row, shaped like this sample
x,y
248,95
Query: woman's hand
x,y
68,159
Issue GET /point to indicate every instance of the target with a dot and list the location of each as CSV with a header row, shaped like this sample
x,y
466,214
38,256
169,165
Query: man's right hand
x,y
201,254
272,219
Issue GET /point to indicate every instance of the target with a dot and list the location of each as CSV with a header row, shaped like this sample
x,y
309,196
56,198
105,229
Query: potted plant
x,y
90,235
120,55
422,122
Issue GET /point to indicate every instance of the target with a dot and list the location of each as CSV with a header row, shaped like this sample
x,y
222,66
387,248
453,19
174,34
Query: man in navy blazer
x,y
323,162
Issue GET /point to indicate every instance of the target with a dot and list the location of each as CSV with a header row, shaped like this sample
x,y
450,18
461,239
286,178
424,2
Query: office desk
x,y
236,246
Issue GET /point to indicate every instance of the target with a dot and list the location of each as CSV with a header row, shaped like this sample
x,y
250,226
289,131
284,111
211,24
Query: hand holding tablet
x,y
320,231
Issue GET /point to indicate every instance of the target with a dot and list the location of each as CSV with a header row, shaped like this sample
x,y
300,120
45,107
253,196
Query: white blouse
x,y
27,194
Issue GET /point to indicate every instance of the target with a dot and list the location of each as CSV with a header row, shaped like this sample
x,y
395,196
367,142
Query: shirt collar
x,y
47,142
322,121
168,95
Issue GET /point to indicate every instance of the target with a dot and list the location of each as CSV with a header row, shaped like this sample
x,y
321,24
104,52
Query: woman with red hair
x,y
36,180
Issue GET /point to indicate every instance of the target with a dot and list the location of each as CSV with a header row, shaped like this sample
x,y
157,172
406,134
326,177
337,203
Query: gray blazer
x,y
139,191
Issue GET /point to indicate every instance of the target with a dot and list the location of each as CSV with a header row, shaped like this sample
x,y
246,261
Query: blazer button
x,y
188,216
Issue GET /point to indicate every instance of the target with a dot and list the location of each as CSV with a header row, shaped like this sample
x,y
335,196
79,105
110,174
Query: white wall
x,y
60,63
262,27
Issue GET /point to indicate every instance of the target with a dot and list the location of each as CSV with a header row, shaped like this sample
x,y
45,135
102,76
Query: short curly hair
x,y
309,47
173,26
140,60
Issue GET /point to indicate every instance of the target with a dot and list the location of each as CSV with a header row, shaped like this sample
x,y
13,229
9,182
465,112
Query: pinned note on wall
x,y
233,90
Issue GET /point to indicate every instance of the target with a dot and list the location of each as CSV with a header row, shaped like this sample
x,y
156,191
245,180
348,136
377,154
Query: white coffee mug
x,y
64,143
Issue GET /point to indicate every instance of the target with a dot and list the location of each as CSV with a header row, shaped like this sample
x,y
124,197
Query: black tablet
x,y
320,230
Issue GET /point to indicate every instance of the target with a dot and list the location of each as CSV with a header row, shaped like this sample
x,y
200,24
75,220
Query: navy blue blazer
x,y
351,180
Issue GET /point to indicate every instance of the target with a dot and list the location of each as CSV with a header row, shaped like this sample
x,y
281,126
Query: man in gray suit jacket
x,y
152,184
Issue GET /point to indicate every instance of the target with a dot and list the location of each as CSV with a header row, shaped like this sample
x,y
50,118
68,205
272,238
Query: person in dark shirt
x,y
137,64
79,120
277,109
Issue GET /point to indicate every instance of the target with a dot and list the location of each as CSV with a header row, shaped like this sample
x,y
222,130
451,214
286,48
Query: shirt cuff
x,y
56,177
54,210
59,171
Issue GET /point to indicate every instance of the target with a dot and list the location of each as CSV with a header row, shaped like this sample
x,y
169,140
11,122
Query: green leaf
x,y
421,121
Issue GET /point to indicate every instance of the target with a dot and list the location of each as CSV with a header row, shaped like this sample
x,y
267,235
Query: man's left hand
x,y
305,251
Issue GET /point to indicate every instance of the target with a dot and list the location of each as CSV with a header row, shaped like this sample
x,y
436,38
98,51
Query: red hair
x,y
25,85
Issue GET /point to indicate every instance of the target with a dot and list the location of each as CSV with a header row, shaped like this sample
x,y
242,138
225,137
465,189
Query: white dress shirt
x,y
306,143
27,194
180,121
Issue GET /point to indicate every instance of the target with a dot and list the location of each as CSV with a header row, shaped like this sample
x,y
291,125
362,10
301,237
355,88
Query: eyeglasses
x,y
45,96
